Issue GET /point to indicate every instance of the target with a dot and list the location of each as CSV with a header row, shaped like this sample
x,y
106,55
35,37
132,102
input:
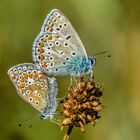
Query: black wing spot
x,y
68,37
73,53
65,24
61,53
52,64
66,44
58,29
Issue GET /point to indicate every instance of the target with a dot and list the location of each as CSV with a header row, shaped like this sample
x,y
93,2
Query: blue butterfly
x,y
58,49
35,87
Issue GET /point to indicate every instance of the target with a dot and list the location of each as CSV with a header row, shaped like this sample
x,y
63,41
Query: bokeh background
x,y
102,24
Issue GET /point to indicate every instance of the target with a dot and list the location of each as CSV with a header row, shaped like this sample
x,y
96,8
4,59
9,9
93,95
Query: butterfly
x,y
35,87
58,50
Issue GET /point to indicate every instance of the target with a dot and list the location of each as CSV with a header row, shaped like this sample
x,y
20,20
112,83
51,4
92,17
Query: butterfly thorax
x,y
82,65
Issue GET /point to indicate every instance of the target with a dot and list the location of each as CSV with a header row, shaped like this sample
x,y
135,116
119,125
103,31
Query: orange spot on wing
x,y
35,75
50,29
41,44
44,65
42,75
21,85
26,76
44,39
30,75
41,51
50,37
41,57
22,79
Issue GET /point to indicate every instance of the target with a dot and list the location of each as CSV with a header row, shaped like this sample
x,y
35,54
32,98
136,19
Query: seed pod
x,y
96,102
66,113
98,108
81,105
66,105
66,121
89,118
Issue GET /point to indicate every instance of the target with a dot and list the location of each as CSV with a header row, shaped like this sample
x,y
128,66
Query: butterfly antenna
x,y
25,122
105,51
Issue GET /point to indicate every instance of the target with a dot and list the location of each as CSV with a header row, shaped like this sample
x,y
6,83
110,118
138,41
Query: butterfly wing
x,y
32,85
58,45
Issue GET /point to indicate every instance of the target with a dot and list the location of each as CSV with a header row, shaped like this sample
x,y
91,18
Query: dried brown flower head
x,y
81,105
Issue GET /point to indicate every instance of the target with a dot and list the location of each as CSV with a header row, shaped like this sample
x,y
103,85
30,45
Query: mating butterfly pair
x,y
57,51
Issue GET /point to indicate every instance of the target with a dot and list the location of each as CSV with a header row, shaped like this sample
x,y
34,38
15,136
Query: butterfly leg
x,y
61,99
74,78
91,74
55,121
71,80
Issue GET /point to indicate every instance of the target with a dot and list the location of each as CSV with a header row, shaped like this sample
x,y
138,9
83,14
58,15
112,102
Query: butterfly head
x,y
92,61
48,113
44,116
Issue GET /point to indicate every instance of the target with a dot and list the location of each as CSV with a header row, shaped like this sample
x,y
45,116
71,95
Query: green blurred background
x,y
102,24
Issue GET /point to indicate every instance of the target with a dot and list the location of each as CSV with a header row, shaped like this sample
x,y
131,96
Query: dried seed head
x,y
82,105
66,122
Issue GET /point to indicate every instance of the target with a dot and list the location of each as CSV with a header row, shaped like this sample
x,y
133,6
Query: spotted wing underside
x,y
57,46
31,84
